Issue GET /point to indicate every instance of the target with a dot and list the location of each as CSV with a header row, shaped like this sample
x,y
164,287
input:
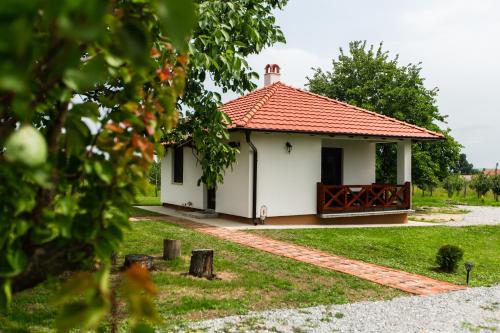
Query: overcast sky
x,y
457,41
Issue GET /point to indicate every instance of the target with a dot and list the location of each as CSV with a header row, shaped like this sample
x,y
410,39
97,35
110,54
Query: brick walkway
x,y
409,282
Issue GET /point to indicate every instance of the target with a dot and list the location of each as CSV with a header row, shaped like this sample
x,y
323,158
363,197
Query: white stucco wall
x,y
358,160
287,182
188,191
234,196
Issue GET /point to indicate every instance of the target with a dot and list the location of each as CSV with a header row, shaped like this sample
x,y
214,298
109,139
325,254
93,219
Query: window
x,y
178,164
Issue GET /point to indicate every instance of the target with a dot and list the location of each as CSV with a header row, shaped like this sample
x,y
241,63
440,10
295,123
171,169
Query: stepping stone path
x,y
408,282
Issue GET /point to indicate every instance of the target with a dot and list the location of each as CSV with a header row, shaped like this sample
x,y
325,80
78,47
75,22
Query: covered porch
x,y
338,199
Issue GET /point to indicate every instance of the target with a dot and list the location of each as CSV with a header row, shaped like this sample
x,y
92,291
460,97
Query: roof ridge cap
x,y
249,115
368,111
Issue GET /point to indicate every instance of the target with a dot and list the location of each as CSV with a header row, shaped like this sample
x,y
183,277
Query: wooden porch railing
x,y
359,198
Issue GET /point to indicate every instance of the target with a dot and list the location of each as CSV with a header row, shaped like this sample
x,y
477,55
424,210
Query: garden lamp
x,y
468,267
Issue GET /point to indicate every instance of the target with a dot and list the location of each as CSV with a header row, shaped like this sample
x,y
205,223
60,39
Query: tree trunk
x,y
171,249
50,259
202,263
140,259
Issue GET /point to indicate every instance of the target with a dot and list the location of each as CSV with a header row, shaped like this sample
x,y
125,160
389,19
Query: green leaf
x,y
177,20
14,263
82,315
136,44
5,294
87,109
44,234
91,72
104,170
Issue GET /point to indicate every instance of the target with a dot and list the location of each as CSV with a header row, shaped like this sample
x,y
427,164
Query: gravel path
x,y
471,310
478,216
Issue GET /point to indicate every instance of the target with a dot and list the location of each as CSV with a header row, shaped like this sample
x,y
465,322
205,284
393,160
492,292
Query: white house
x,y
303,158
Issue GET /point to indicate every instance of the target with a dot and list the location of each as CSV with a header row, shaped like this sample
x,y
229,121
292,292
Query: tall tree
x,y
463,166
85,90
155,176
367,77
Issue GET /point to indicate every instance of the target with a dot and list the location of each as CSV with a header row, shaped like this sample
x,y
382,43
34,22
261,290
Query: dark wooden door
x,y
331,166
211,198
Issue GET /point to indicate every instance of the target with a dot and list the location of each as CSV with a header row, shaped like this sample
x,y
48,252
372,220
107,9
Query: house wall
x,y
234,196
287,181
358,160
188,191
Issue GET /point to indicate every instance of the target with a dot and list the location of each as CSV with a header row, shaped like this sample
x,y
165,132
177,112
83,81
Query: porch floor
x,y
367,213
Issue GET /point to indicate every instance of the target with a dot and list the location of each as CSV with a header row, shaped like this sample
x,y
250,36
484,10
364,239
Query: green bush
x,y
448,257
481,184
495,186
453,183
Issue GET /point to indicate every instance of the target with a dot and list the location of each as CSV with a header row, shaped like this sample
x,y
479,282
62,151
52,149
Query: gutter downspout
x,y
254,178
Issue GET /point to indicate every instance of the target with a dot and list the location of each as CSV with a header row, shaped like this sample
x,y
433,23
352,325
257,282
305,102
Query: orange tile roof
x,y
279,107
491,172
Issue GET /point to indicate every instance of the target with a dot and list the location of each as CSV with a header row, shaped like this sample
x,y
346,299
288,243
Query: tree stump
x,y
140,259
202,263
171,249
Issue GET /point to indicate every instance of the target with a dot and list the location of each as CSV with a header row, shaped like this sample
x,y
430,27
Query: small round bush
x,y
448,257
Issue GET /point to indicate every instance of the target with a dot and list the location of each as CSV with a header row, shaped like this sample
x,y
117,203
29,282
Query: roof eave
x,y
398,137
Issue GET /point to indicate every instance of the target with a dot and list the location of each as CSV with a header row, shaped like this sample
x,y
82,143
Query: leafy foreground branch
x,y
88,91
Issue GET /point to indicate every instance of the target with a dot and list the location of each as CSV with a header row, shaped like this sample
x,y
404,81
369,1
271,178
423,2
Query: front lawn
x,y
249,280
141,200
137,212
411,249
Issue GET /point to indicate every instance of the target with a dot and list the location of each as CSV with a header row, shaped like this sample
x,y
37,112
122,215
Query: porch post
x,y
404,162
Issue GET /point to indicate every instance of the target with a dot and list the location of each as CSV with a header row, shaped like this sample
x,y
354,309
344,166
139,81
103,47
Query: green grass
x,y
147,201
440,198
249,280
409,249
147,196
136,212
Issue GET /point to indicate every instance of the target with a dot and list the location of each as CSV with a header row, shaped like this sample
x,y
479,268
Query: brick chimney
x,y
272,74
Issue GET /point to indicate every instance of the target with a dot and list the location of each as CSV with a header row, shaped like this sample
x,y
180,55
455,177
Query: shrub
x,y
495,185
481,184
453,183
448,257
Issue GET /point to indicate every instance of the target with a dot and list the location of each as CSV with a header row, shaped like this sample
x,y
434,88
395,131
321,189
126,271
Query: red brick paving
x,y
408,282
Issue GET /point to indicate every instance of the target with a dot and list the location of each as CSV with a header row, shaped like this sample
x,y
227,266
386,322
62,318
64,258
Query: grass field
x,y
410,249
440,198
147,201
134,212
249,280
